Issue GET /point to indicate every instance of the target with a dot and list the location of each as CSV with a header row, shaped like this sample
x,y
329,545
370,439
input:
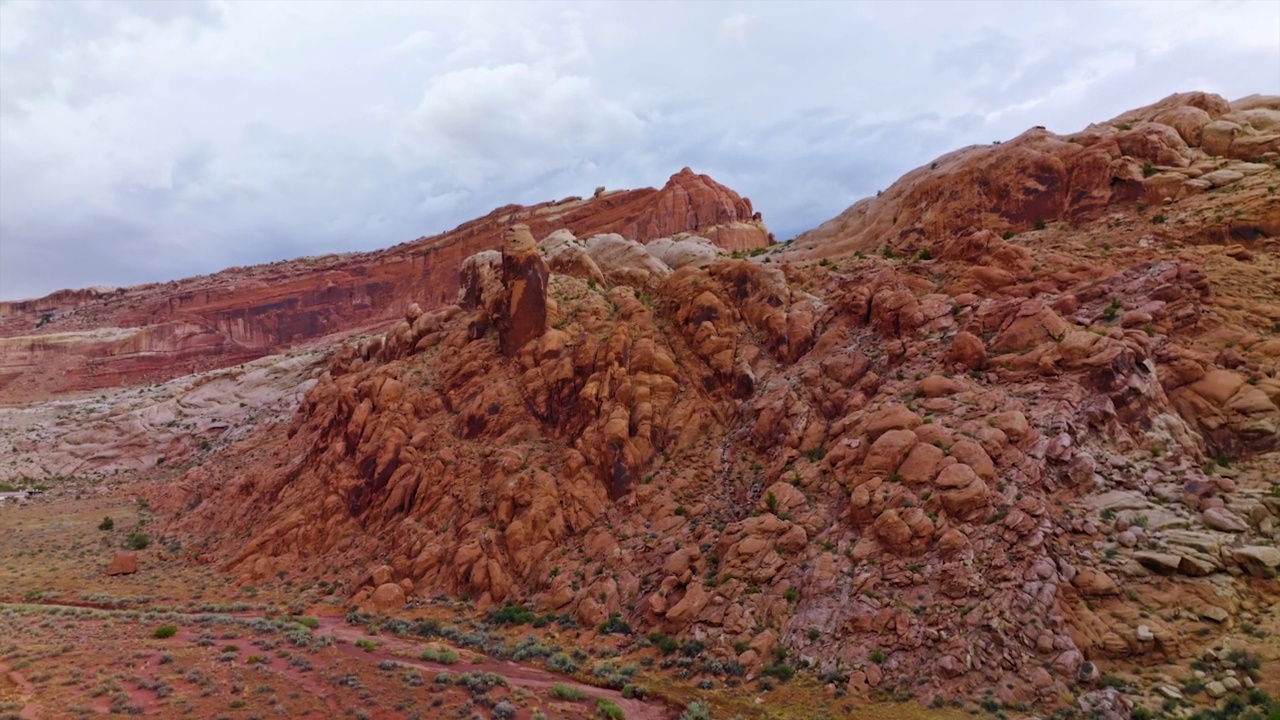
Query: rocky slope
x,y
84,339
1012,427
1004,426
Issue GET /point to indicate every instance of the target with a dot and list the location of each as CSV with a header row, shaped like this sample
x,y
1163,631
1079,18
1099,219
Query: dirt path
x,y
403,651
396,649
15,688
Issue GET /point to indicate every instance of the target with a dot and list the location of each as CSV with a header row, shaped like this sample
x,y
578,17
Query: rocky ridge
x,y
86,339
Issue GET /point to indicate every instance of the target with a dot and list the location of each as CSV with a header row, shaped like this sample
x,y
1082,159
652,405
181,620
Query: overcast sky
x,y
144,141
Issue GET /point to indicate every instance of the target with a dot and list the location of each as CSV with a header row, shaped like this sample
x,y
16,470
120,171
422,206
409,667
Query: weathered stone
x,y
1158,562
1257,560
523,315
124,563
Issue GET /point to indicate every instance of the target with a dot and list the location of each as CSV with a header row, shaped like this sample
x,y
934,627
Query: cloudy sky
x,y
144,141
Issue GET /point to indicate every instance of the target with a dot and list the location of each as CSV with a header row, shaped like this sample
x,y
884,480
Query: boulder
x,y
1091,582
1257,560
961,490
124,563
1158,562
968,351
921,464
1224,520
388,596
683,250
894,417
626,262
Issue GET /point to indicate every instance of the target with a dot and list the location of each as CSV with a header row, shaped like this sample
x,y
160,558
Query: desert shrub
x,y
665,643
696,711
481,683
445,656
780,670
504,710
608,710
512,615
562,663
560,691
107,524
1244,661
137,540
615,625
692,648
166,631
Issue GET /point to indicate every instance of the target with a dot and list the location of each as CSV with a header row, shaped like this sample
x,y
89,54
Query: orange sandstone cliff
x,y
82,339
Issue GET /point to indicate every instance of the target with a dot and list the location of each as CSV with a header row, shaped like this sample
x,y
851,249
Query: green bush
x,y
107,524
512,615
166,631
665,643
696,711
782,671
560,691
444,656
608,710
137,540
615,625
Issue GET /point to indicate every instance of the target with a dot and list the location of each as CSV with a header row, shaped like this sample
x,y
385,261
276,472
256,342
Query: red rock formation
x,y
1039,177
179,327
524,280
124,563
1000,462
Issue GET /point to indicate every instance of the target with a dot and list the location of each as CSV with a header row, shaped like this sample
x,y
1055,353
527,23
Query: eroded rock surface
x,y
1009,425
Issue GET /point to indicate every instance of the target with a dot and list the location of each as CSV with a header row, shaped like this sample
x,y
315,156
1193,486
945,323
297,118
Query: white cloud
x,y
737,28
143,141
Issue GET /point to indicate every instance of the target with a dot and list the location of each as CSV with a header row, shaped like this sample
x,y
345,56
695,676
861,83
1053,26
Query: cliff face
x,y
86,339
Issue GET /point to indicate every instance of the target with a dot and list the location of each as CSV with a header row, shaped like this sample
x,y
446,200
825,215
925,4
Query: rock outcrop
x,y
83,339
1006,455
524,280
124,563
1169,150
